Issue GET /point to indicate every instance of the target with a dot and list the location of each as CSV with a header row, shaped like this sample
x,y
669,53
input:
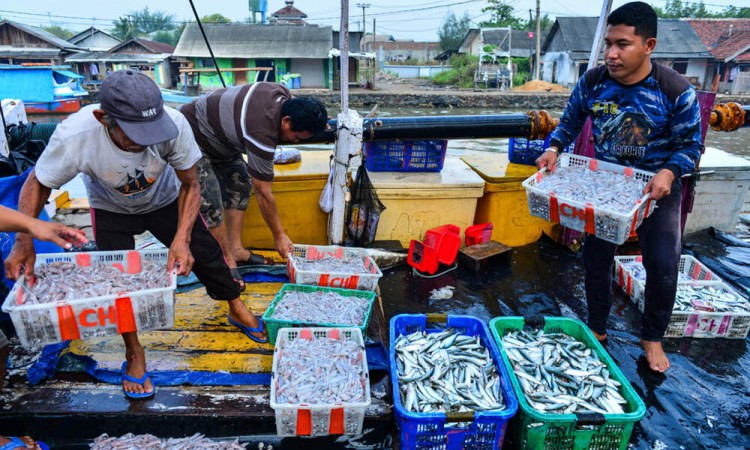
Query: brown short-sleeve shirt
x,y
240,119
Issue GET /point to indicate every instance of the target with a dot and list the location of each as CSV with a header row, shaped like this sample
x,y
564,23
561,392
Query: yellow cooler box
x,y
504,200
418,201
297,189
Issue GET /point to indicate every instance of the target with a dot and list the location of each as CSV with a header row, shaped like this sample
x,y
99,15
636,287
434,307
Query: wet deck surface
x,y
702,402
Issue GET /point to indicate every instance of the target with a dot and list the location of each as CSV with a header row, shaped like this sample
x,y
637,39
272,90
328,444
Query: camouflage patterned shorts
x,y
224,185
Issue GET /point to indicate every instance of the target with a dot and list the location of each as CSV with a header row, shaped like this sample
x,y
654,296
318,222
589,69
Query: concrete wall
x,y
415,71
311,72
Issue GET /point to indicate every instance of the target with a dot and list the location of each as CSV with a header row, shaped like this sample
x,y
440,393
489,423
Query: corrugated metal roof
x,y
675,38
88,32
149,58
44,35
15,52
240,40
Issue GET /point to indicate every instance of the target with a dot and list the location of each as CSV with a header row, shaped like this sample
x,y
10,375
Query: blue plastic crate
x,y
428,431
405,156
526,151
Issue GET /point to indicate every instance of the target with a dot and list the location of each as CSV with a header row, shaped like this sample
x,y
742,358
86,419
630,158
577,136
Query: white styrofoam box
x,y
319,420
607,225
362,281
720,194
45,323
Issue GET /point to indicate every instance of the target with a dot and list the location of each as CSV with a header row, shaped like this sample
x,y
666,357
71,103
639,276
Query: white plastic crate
x,y
701,324
86,318
610,226
361,281
319,420
689,267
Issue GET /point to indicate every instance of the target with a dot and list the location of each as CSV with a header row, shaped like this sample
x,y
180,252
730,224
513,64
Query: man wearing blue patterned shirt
x,y
646,116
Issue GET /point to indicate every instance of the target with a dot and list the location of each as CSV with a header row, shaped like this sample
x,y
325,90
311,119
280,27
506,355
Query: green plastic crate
x,y
532,429
274,325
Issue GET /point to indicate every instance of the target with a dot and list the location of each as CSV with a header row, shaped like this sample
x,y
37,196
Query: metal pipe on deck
x,y
532,125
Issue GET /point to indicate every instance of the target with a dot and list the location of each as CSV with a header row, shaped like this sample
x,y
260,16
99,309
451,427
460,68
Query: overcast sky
x,y
403,19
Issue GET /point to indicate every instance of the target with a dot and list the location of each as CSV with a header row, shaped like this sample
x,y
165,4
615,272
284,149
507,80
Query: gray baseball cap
x,y
134,100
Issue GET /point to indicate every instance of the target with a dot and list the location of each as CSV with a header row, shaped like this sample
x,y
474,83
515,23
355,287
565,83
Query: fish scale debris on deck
x,y
559,373
446,371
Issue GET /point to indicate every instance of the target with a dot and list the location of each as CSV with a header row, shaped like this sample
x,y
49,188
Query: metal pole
x,y
537,62
210,51
596,46
531,52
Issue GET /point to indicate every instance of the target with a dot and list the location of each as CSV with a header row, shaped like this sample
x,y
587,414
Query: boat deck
x,y
72,408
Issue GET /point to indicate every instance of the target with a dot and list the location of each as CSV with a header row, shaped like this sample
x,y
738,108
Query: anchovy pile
x,y
321,307
64,280
707,298
446,372
637,271
131,441
607,190
320,371
560,375
332,265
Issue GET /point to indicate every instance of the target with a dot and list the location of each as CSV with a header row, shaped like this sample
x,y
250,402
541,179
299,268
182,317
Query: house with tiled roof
x,y
728,40
288,15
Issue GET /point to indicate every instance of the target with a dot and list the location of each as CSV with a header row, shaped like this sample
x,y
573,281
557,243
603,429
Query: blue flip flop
x,y
249,330
16,442
141,381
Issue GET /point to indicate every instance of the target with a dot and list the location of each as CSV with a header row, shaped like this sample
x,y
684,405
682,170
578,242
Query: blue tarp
x,y
30,85
68,73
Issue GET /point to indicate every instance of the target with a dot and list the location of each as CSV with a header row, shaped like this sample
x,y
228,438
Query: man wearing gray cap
x,y
138,160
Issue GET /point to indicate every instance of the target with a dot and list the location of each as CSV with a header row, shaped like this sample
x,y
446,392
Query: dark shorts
x,y
224,185
115,231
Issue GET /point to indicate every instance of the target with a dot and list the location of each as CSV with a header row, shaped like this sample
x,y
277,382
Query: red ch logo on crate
x,y
571,211
339,282
121,314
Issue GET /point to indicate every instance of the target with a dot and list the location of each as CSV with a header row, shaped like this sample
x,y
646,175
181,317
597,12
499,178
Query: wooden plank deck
x,y
74,408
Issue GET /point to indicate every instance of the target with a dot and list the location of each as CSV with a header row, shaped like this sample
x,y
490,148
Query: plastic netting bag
x,y
363,213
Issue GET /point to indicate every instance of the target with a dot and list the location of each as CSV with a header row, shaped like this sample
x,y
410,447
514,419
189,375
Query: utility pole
x,y
537,61
531,37
364,6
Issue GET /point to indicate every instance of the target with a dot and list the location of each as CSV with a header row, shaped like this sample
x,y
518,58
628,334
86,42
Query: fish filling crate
x,y
559,427
320,383
611,221
478,414
313,306
88,313
405,156
630,275
695,314
333,266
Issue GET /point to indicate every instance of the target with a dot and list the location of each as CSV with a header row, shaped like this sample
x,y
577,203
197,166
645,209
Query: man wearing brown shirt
x,y
252,120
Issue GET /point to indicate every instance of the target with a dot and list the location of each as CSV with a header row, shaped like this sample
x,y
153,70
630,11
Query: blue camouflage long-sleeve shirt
x,y
651,125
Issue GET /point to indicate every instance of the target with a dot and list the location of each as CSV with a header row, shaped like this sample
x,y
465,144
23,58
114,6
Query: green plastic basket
x,y
274,325
532,429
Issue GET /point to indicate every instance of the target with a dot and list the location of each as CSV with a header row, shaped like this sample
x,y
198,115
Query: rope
x,y
439,274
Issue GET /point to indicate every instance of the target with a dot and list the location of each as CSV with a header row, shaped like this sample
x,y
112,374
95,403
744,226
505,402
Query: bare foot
x,y
137,368
657,359
599,337
240,314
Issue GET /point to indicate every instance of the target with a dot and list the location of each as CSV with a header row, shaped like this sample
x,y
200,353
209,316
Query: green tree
x,y
151,22
732,12
453,31
501,15
125,29
545,23
215,18
170,37
57,30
